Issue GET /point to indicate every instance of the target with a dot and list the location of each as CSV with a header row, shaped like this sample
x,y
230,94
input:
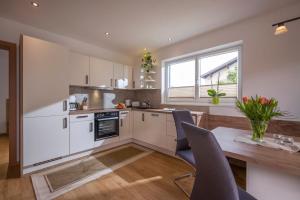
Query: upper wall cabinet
x,y
128,73
118,75
45,82
79,69
101,72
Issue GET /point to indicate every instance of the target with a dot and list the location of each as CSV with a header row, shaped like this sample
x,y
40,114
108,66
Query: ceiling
x,y
134,24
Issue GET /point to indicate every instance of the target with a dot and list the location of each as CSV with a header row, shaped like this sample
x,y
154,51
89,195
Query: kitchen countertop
x,y
160,110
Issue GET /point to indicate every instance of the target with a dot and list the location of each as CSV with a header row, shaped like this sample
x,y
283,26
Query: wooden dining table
x,y
271,174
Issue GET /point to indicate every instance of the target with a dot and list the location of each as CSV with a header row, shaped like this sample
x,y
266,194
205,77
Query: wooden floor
x,y
149,178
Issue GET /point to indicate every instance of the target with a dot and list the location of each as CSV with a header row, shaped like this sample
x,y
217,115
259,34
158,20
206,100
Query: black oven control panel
x,y
104,115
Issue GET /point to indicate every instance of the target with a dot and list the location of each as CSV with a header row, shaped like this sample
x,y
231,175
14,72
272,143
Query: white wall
x,y
3,89
270,64
11,30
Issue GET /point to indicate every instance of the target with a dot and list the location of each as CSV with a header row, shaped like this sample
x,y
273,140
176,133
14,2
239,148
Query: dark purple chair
x,y
183,149
214,178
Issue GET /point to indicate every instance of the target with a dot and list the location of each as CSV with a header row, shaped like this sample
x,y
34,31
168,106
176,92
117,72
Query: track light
x,y
281,28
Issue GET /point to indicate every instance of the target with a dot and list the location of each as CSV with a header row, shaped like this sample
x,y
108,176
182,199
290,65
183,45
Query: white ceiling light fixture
x,y
34,4
281,28
170,39
107,34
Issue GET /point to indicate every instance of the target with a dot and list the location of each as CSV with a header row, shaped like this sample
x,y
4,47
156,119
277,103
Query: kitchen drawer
x,y
82,117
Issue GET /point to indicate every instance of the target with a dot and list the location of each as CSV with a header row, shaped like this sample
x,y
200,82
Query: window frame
x,y
197,100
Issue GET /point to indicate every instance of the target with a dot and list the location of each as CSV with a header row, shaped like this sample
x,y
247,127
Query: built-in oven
x,y
106,125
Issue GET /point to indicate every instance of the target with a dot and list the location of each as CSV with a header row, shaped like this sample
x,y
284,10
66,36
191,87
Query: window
x,y
187,79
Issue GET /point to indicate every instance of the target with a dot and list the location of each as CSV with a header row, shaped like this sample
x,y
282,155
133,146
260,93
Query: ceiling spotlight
x,y
281,28
107,34
170,39
145,49
35,4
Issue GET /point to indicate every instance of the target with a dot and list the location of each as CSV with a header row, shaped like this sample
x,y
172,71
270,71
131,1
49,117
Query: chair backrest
x,y
214,178
182,116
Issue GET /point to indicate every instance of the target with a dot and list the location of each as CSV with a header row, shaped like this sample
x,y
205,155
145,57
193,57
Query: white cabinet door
x,y
45,138
81,136
118,75
139,126
45,82
128,73
79,67
150,127
137,80
125,125
156,128
101,72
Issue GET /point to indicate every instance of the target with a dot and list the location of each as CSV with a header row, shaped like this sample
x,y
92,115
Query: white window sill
x,y
232,105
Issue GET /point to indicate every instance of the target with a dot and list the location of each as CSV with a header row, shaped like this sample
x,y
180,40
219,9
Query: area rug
x,y
54,182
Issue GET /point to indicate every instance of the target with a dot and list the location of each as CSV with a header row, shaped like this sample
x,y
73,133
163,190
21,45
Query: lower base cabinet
x,y
45,138
81,133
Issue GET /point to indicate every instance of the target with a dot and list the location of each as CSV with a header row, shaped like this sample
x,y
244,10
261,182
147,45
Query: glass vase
x,y
259,129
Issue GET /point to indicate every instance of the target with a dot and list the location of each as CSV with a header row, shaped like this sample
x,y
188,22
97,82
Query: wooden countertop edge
x,y
79,112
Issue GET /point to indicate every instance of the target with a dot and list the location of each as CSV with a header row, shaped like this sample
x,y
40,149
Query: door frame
x,y
13,101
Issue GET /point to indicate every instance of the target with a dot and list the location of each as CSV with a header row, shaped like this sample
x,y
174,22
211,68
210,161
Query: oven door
x,y
106,128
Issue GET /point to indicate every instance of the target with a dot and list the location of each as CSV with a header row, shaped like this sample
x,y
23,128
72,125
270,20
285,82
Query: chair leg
x,y
182,177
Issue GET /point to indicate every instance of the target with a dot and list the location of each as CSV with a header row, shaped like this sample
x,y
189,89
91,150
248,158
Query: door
x,y
101,72
45,82
128,77
79,66
156,128
124,125
118,75
139,126
81,136
137,80
45,138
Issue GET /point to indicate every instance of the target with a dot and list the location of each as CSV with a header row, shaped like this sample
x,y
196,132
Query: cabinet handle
x,y
111,82
82,116
143,117
116,83
121,122
86,79
133,84
91,127
65,105
154,115
65,123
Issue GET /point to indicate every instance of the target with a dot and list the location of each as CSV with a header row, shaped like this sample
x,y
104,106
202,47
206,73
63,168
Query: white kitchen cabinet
x,y
125,125
45,138
128,74
45,83
101,72
137,78
82,135
150,127
118,75
79,69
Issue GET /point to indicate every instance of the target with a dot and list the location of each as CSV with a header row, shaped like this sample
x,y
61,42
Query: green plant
x,y
259,110
216,94
147,61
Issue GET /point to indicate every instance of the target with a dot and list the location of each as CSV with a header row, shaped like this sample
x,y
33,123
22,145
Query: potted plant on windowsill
x,y
259,111
215,94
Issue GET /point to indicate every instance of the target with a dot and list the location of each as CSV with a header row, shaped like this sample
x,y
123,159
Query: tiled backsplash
x,y
95,100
